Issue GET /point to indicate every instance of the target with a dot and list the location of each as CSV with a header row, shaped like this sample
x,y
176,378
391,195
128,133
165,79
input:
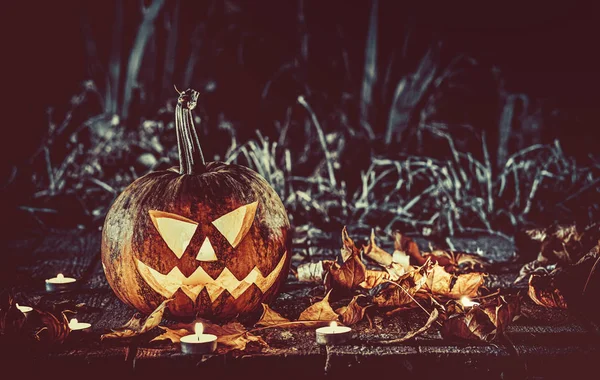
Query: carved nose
x,y
206,252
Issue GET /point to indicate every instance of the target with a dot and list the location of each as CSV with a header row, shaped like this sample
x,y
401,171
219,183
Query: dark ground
x,y
546,343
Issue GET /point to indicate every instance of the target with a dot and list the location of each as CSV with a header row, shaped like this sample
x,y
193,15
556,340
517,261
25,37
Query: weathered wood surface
x,y
547,343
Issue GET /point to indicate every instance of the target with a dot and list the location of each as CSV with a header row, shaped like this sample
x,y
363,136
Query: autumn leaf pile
x,y
565,273
435,284
368,280
39,327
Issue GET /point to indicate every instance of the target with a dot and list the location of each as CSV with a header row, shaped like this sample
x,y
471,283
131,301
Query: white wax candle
x,y
198,343
60,282
60,279
74,324
333,328
333,334
24,309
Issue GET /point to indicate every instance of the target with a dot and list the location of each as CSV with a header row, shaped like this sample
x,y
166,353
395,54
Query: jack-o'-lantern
x,y
210,236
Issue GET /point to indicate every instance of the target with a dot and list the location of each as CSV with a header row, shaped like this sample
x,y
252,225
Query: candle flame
x,y
466,301
333,324
73,321
60,275
199,328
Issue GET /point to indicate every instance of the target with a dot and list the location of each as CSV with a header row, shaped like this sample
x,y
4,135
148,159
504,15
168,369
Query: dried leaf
x,y
173,333
485,322
473,325
440,282
374,278
56,328
408,246
320,311
377,254
470,262
353,313
502,311
396,265
351,273
543,292
135,326
402,291
234,336
457,261
270,317
313,272
432,318
561,245
348,247
11,318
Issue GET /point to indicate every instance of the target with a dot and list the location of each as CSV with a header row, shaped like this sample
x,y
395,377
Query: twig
x,y
590,275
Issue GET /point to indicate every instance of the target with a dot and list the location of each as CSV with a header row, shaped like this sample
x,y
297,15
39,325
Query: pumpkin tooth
x,y
167,284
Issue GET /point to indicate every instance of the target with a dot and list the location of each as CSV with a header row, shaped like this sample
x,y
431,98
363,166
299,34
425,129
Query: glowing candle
x,y
468,303
75,325
198,343
60,282
333,334
23,309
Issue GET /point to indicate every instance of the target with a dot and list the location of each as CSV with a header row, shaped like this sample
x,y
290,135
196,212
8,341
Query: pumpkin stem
x,y
191,159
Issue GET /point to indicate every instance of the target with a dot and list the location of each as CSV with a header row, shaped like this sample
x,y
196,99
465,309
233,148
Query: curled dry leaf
x,y
234,336
408,246
402,291
137,325
473,325
462,262
56,327
11,318
319,312
502,311
396,265
560,245
544,292
353,313
432,318
351,273
270,317
348,247
313,272
377,254
442,283
485,322
374,278
174,333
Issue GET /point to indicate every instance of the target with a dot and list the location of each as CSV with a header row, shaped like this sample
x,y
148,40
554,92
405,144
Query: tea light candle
x,y
468,303
60,282
333,334
198,343
75,325
24,309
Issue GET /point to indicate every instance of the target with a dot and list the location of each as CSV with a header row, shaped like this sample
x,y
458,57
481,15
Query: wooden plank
x,y
70,253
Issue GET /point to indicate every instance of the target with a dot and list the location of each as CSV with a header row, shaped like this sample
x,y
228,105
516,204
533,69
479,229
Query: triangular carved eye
x,y
175,230
236,224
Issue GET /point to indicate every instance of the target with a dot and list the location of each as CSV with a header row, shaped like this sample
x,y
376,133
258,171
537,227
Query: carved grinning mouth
x,y
167,284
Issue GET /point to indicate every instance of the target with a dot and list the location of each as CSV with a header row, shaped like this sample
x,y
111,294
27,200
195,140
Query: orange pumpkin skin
x,y
145,263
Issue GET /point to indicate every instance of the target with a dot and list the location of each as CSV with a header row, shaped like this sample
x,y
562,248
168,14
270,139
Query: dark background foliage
x,y
545,53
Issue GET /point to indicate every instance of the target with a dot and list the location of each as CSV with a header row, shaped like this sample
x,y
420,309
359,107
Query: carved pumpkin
x,y
213,237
